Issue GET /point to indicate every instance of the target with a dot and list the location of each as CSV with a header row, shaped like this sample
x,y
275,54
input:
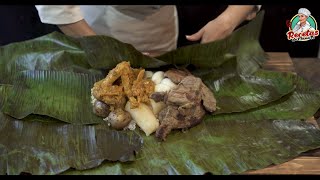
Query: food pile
x,y
155,101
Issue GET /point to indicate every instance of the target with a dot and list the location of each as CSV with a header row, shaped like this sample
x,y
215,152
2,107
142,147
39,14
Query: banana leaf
x,y
89,55
243,92
243,43
219,147
252,139
298,105
230,143
104,52
301,104
62,95
50,52
236,92
5,89
51,148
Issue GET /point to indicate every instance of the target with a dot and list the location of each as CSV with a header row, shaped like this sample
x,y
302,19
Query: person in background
x,y
149,28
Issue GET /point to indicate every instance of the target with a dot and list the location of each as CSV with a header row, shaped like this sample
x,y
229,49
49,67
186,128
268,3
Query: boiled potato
x,y
100,108
118,119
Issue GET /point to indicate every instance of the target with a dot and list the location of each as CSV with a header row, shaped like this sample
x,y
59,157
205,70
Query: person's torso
x,y
146,27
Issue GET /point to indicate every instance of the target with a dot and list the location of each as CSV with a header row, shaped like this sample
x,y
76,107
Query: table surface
x,y
308,162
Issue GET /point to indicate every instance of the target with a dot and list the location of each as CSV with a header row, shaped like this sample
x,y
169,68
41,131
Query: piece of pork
x,y
185,105
208,99
173,117
176,75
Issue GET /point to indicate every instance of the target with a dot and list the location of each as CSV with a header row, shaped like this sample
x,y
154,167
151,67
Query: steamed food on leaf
x,y
121,86
156,101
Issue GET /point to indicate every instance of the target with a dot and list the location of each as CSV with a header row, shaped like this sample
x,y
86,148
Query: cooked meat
x,y
174,118
141,89
158,96
209,101
133,86
176,75
185,108
187,92
208,98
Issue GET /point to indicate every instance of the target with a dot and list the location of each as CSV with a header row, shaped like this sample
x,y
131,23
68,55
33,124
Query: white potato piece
x,y
168,82
161,88
157,106
144,118
157,77
148,74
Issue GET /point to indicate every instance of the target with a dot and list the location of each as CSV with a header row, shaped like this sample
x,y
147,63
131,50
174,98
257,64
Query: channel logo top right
x,y
302,26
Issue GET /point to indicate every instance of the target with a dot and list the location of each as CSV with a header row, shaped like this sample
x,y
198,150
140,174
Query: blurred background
x,y
19,23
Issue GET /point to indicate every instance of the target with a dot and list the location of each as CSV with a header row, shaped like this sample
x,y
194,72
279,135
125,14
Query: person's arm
x,y
225,23
77,29
67,17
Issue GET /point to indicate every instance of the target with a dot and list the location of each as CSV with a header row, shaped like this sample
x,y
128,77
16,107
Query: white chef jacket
x,y
304,28
149,28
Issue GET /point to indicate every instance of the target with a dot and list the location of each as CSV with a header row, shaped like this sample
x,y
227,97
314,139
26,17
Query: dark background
x,y
19,23
273,34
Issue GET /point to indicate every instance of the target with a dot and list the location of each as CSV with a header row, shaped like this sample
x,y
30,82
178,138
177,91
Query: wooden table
x,y
309,162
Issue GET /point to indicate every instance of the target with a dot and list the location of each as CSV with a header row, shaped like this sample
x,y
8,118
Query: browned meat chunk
x,y
209,101
176,75
158,96
185,108
174,118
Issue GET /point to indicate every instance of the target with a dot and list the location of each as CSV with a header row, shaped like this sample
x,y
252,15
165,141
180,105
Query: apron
x,y
149,28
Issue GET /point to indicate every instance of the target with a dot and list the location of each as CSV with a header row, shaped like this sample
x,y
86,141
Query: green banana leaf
x,y
236,93
105,52
243,43
242,92
301,104
178,156
51,148
230,143
62,95
298,105
219,147
50,52
89,55
244,135
5,89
